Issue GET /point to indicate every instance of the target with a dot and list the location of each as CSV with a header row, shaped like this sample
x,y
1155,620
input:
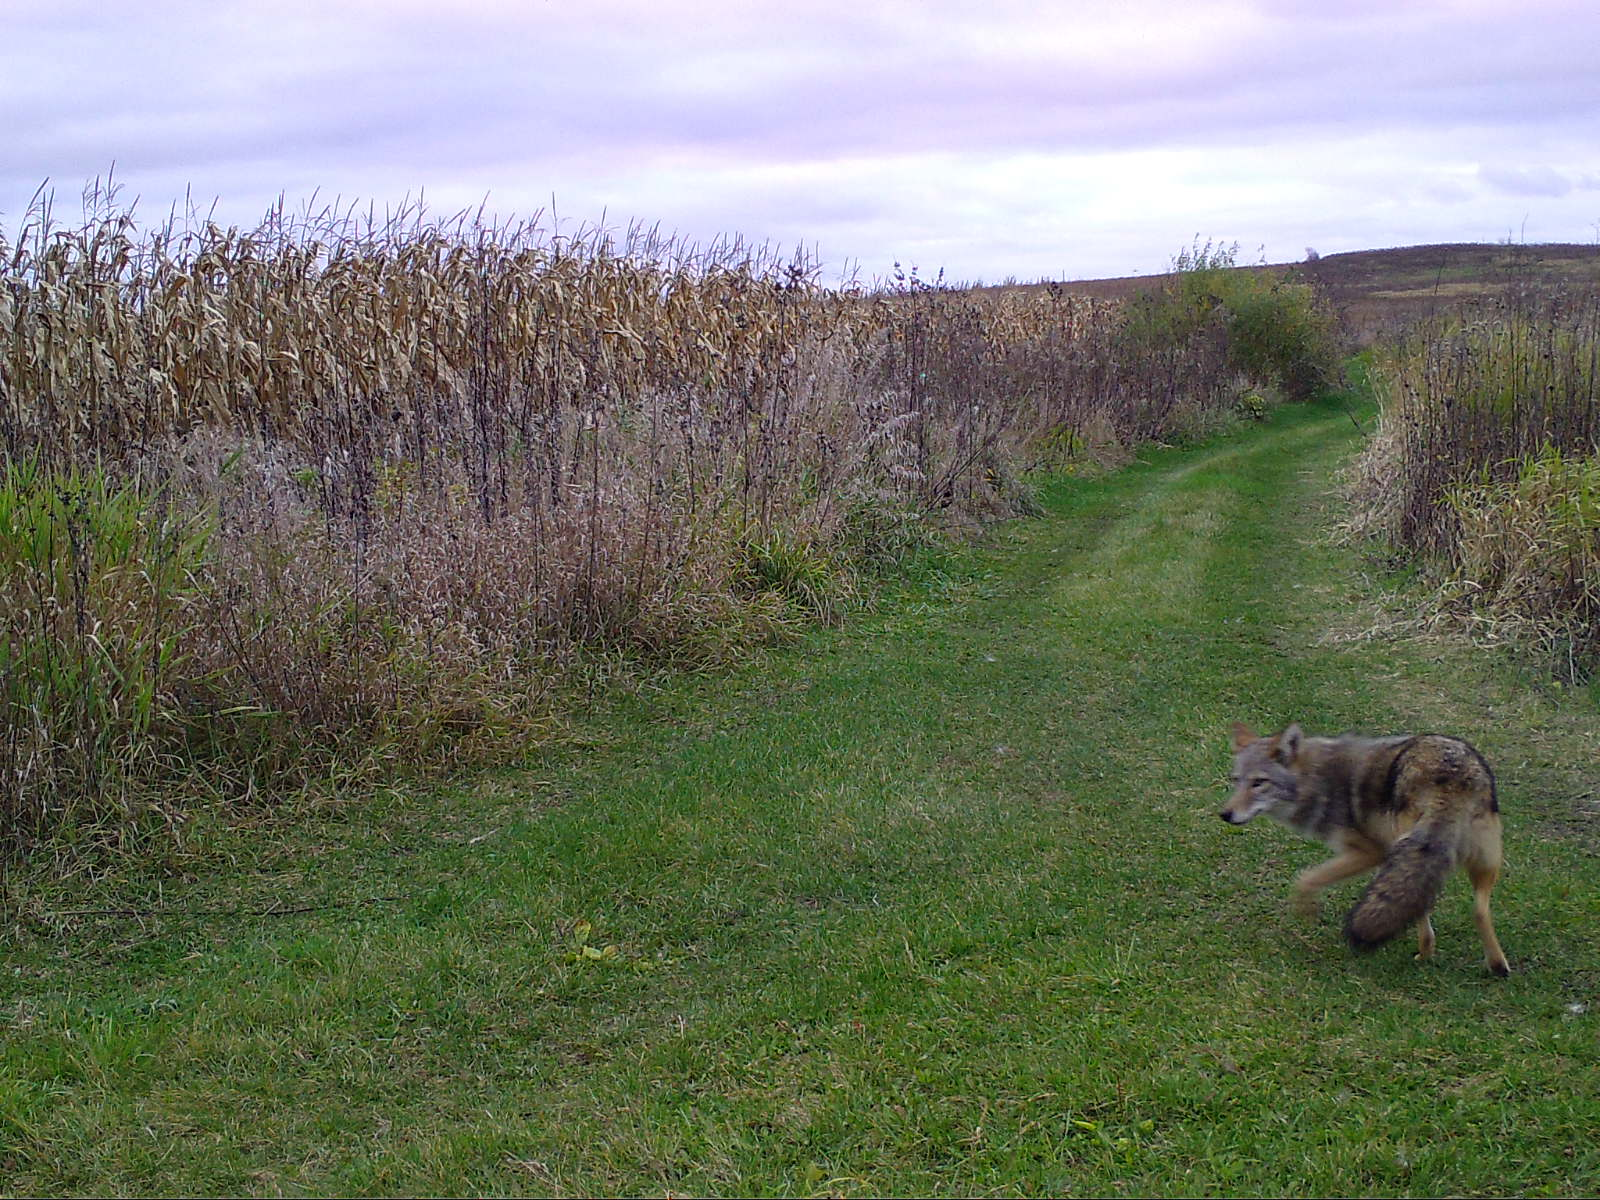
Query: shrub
x,y
1278,334
1484,466
1472,397
1527,559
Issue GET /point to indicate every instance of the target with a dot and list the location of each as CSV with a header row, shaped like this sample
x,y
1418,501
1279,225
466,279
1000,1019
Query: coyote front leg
x,y
1357,856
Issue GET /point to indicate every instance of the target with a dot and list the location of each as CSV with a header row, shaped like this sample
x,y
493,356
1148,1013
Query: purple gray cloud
x,y
1535,181
998,139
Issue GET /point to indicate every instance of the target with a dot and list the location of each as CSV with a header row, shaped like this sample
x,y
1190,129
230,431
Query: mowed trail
x,y
938,904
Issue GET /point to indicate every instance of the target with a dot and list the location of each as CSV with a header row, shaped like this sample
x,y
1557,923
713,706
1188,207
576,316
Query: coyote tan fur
x,y
1414,807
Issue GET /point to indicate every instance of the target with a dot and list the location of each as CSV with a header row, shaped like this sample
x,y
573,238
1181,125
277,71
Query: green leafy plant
x,y
98,576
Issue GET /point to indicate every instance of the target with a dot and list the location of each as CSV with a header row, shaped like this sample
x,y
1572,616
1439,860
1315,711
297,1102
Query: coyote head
x,y
1262,775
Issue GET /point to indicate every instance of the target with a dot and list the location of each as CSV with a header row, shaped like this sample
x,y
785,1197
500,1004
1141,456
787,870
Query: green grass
x,y
938,903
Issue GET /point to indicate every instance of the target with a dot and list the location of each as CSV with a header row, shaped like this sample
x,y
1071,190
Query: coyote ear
x,y
1288,744
1242,735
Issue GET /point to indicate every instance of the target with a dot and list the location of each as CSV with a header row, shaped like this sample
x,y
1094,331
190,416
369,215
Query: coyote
x,y
1414,807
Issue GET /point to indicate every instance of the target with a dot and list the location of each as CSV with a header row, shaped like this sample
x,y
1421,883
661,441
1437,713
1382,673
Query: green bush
x,y
1278,333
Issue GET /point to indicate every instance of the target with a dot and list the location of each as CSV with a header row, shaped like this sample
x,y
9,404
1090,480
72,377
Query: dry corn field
x,y
315,496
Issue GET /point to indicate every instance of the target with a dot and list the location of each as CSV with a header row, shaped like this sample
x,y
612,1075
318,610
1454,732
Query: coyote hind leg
x,y
1483,878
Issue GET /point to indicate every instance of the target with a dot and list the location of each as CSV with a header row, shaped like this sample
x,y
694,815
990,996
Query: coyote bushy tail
x,y
1404,889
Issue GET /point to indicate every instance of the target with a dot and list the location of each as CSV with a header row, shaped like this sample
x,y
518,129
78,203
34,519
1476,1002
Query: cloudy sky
x,y
985,137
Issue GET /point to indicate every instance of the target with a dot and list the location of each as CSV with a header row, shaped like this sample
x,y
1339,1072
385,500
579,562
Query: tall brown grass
x,y
1484,465
342,493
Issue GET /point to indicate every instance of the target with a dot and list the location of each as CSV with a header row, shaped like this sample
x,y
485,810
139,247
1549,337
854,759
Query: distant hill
x,y
1378,289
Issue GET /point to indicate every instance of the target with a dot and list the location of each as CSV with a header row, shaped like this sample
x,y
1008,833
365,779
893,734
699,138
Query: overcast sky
x,y
989,138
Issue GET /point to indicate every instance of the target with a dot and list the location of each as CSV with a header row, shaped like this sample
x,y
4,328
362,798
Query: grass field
x,y
937,903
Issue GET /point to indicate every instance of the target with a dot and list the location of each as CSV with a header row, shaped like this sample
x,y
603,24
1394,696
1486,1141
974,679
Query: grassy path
x,y
939,904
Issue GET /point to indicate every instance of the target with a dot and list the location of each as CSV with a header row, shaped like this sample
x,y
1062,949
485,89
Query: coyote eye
x,y
1258,784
